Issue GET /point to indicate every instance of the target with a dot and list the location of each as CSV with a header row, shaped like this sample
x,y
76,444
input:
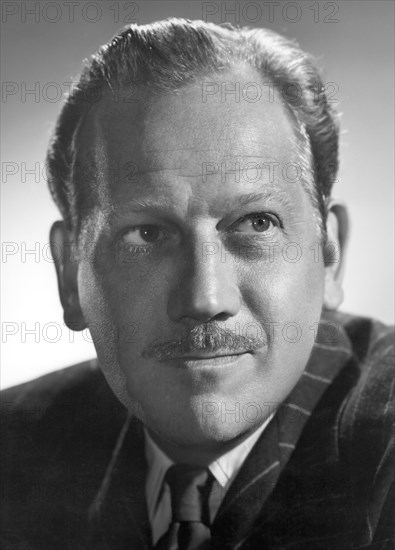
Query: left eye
x,y
143,235
256,223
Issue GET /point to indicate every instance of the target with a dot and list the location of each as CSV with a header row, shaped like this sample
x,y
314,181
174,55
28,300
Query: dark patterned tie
x,y
190,488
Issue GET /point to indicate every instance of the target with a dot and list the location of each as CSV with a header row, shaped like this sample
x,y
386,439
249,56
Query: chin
x,y
195,426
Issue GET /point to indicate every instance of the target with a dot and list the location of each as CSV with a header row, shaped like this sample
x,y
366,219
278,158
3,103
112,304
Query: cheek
x,y
139,298
124,308
96,302
286,298
288,287
121,320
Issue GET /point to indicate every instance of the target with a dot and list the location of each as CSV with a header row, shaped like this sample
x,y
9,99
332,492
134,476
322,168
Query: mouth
x,y
201,359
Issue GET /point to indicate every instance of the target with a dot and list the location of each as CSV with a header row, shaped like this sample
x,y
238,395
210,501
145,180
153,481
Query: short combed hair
x,y
168,55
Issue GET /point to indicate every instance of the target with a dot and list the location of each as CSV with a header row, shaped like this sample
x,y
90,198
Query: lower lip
x,y
206,362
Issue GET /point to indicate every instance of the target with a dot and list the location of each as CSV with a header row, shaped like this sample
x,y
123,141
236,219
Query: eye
x,y
143,236
256,223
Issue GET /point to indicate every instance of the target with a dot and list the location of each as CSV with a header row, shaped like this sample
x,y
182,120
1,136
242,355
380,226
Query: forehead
x,y
200,135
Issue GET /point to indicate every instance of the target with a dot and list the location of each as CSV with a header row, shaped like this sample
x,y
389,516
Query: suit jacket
x,y
321,476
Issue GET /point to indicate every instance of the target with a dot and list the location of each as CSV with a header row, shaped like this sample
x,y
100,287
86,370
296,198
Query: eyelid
x,y
144,248
138,226
169,228
273,217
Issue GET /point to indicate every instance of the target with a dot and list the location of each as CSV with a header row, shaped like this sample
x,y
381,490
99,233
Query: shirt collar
x,y
224,468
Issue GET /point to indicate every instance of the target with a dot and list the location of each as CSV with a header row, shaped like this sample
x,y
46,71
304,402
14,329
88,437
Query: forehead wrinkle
x,y
230,158
161,150
155,170
163,202
146,202
268,194
154,155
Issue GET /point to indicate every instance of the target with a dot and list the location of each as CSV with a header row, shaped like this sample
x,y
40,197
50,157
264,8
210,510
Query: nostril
x,y
221,317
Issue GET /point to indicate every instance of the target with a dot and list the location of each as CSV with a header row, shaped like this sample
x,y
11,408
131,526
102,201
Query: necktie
x,y
190,488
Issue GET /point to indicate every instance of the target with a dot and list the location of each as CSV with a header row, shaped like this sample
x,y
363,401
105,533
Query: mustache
x,y
210,337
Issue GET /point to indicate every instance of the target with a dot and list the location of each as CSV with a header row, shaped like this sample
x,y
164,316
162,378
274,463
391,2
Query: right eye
x,y
142,238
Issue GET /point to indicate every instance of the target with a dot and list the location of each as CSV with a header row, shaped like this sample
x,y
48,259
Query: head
x,y
200,222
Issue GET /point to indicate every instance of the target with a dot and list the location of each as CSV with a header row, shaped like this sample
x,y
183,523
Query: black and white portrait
x,y
197,268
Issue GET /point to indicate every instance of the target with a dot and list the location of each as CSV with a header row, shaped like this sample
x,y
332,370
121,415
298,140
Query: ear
x,y
64,253
334,253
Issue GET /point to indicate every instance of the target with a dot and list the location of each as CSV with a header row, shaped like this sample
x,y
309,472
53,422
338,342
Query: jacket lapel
x,y
118,515
249,490
244,503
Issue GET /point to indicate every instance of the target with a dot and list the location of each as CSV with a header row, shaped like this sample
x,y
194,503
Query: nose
x,y
205,287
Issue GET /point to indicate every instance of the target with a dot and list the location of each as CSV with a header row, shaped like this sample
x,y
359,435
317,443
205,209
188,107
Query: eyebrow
x,y
272,194
268,195
148,202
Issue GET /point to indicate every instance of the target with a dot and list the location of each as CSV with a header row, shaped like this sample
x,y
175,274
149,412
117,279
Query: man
x,y
200,245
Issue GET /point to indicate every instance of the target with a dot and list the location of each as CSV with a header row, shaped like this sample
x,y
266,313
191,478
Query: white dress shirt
x,y
224,469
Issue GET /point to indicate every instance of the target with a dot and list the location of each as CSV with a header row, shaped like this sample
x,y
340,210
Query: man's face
x,y
190,236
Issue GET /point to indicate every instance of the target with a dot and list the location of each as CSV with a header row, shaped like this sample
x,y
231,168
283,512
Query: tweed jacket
x,y
320,477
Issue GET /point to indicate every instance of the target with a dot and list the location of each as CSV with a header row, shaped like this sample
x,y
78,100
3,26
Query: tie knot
x,y
189,490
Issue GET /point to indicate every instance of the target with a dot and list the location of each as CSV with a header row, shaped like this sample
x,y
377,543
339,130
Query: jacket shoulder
x,y
58,432
370,401
62,391
366,426
373,352
45,389
74,402
370,338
